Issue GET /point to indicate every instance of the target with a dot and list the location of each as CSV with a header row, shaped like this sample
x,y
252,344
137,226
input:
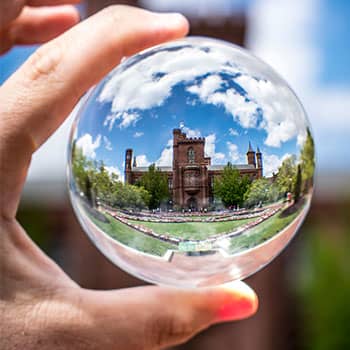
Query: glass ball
x,y
191,163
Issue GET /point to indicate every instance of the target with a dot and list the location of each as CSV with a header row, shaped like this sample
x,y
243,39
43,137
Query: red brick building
x,y
191,176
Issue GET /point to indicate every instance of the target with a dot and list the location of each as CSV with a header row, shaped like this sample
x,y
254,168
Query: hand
x,y
42,308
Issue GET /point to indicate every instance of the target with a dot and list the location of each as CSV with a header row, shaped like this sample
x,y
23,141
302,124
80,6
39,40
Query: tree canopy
x,y
286,175
156,184
307,158
230,187
98,185
261,191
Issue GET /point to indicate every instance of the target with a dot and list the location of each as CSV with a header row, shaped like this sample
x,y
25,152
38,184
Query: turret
x,y
259,162
251,156
178,135
128,168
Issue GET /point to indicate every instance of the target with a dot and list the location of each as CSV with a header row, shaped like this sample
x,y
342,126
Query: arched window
x,y
190,155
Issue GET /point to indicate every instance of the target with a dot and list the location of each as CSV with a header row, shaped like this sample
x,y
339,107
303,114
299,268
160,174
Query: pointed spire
x,y
134,165
258,150
250,148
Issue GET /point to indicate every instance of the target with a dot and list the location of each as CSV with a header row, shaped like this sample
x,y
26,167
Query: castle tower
x,y
128,168
251,156
190,173
134,164
259,162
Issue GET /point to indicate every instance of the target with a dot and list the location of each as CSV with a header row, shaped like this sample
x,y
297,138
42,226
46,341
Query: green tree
x,y
156,184
307,157
127,196
82,170
230,187
297,185
286,175
103,183
261,191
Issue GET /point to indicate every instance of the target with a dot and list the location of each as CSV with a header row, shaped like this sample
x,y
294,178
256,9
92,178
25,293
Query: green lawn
x,y
262,232
192,230
132,238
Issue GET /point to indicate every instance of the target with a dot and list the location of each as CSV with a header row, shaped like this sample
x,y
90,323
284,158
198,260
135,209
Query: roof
x,y
144,169
237,166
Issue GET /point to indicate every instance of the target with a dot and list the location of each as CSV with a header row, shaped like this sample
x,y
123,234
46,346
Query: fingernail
x,y
239,302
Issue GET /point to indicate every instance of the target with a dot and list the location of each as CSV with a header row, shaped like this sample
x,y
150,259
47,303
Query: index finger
x,y
39,96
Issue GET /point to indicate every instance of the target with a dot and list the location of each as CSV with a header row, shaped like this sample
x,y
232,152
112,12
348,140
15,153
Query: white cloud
x,y
123,89
107,143
126,119
243,111
88,145
141,160
190,132
210,150
138,134
283,115
233,132
271,163
300,60
233,153
208,86
160,72
166,157
115,170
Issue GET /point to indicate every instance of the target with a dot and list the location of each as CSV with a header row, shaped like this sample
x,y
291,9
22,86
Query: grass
x,y
262,232
132,238
192,230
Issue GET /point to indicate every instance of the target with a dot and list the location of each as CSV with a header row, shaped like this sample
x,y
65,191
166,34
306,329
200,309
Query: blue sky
x,y
334,43
314,60
13,59
307,42
140,106
152,132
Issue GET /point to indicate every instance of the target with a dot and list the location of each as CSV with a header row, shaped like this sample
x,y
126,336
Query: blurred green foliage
x,y
324,282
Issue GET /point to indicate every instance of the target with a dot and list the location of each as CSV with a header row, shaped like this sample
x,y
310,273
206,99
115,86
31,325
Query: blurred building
x,y
304,293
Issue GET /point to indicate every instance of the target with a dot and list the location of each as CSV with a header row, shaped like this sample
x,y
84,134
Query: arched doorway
x,y
192,203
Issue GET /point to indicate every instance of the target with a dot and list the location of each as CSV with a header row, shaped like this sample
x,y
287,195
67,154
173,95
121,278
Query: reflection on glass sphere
x,y
191,164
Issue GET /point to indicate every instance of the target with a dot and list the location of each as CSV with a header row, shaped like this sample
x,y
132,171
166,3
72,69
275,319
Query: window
x,y
190,155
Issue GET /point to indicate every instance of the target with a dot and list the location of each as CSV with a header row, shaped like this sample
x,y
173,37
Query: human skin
x,y
41,307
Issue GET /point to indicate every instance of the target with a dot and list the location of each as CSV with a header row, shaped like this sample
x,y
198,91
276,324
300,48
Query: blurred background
x,y
305,292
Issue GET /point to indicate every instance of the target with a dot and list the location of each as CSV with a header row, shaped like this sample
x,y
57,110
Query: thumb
x,y
157,317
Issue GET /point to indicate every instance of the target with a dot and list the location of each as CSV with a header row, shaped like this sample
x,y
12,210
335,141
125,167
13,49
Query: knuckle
x,y
115,9
45,61
113,12
121,15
